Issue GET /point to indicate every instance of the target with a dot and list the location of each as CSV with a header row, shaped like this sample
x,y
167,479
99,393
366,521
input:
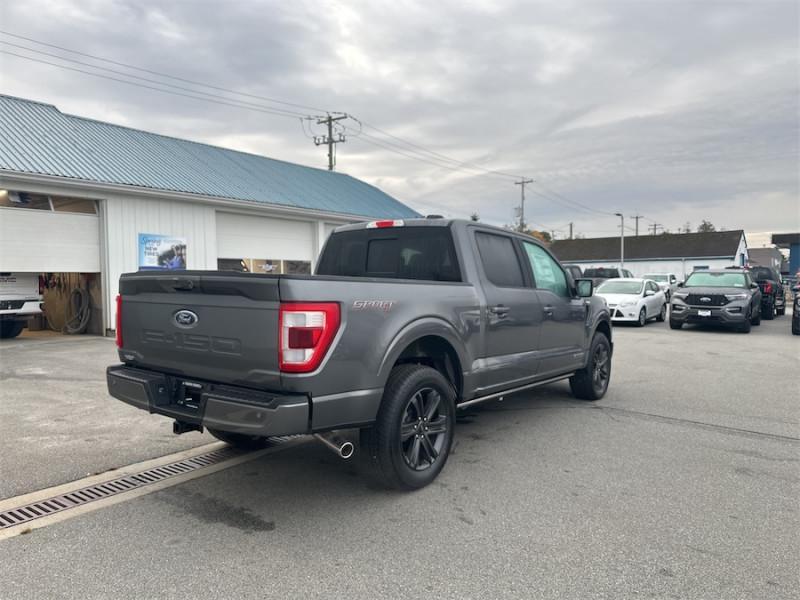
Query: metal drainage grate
x,y
43,508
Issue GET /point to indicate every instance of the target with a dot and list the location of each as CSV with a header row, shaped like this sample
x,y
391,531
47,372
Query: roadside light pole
x,y
621,240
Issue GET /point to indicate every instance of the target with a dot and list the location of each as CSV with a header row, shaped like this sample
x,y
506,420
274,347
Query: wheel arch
x,y
429,341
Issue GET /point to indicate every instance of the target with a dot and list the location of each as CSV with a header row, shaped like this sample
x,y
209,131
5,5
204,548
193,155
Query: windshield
x,y
620,287
657,277
708,279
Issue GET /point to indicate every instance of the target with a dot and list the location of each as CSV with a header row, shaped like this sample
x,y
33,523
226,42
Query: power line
x,y
151,72
150,87
156,82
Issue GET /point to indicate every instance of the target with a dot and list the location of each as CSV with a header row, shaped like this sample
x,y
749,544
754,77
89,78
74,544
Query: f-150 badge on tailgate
x,y
185,319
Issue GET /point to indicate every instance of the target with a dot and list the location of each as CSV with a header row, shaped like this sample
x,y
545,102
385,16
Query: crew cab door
x,y
563,330
512,315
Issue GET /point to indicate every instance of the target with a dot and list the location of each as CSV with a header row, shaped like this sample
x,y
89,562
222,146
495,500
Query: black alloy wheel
x,y
423,431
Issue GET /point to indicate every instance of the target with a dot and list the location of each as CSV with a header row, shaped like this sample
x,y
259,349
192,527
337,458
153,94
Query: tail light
x,y
767,287
385,223
306,333
119,321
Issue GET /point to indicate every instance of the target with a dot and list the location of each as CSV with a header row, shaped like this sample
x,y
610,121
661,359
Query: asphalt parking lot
x,y
684,482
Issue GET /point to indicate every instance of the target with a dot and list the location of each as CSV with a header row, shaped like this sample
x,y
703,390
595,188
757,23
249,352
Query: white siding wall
x,y
126,218
251,236
37,241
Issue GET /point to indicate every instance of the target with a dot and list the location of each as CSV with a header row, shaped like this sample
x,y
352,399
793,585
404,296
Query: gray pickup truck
x,y
403,323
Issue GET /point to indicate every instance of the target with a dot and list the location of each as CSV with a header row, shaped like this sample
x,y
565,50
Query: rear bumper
x,y
227,408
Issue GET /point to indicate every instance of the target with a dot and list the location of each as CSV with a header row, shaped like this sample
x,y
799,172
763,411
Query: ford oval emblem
x,y
705,299
185,319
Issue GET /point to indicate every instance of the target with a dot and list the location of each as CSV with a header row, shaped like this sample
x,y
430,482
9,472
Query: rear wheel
x,y
240,440
11,329
409,443
768,310
780,311
663,314
642,318
591,382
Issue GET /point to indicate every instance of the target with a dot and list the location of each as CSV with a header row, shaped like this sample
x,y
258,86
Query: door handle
x,y
548,311
500,310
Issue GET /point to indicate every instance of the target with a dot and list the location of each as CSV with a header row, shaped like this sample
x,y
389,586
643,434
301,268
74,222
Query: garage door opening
x,y
42,304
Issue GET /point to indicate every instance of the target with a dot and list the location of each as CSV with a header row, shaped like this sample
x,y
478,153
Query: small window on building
x,y
74,205
11,199
233,264
298,267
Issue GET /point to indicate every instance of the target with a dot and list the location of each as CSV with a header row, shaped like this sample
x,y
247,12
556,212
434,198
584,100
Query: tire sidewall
x,y
600,340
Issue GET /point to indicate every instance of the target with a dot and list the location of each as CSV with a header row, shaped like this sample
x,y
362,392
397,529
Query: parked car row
x,y
737,297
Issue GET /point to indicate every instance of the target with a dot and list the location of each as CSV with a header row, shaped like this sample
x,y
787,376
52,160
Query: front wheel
x,y
410,441
663,314
673,324
11,329
748,324
591,382
642,318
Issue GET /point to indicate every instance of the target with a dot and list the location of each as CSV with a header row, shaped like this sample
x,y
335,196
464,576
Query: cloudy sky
x,y
678,111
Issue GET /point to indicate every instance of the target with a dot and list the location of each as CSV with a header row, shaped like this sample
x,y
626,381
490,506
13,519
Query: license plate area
x,y
703,313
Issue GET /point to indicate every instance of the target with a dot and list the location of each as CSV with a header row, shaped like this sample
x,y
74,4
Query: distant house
x,y
679,253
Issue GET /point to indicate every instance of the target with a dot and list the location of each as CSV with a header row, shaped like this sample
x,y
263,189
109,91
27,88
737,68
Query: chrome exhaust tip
x,y
343,448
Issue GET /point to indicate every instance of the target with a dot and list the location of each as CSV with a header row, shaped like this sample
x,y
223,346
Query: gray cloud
x,y
678,110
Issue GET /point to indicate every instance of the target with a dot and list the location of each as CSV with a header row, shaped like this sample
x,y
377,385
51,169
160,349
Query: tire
x,y
748,324
756,320
11,329
780,311
663,314
399,453
768,311
240,440
591,382
642,318
675,324
795,327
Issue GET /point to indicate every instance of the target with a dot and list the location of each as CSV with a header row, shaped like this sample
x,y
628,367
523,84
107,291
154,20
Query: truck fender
x,y
419,328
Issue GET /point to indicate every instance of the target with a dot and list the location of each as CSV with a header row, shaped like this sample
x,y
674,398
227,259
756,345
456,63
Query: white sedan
x,y
634,300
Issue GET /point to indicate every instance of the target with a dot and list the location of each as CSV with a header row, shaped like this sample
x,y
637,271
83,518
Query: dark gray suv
x,y
717,297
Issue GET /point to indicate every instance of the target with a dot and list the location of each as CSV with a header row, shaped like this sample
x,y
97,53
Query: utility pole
x,y
621,240
570,231
329,139
655,227
522,183
636,218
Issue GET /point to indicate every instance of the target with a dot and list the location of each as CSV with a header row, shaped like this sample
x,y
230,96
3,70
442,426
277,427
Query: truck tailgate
x,y
214,326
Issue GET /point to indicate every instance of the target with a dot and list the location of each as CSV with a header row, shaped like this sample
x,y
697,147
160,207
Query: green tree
x,y
706,227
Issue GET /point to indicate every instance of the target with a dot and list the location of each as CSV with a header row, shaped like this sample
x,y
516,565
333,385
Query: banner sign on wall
x,y
161,251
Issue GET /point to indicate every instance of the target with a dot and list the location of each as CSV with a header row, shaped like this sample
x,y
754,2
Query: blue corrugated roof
x,y
38,138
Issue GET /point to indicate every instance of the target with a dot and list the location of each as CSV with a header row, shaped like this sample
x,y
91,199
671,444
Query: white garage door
x,y
244,236
42,241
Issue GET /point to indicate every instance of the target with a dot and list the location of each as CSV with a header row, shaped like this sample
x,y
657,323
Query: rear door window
x,y
500,261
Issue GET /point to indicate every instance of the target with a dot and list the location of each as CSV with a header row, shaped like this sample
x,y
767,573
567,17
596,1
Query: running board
x,y
504,393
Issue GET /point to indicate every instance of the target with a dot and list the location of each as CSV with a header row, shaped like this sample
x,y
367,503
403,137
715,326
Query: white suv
x,y
19,301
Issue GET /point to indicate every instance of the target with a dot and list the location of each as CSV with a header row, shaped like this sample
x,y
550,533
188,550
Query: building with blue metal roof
x,y
86,197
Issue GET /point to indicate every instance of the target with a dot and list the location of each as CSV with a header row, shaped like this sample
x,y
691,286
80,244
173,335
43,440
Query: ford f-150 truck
x,y
403,323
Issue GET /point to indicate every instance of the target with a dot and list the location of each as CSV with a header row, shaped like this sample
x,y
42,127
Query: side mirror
x,y
680,284
584,287
649,293
753,286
